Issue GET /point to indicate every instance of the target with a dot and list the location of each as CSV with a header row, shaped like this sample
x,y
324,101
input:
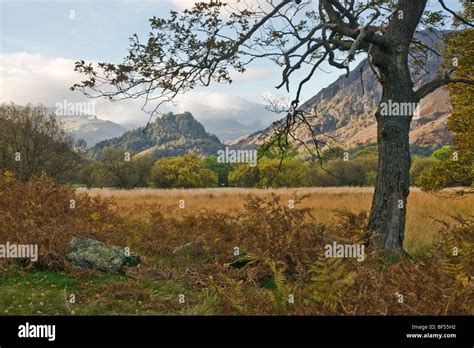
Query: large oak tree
x,y
212,40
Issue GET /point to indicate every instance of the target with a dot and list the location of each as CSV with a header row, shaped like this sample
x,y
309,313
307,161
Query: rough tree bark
x,y
388,213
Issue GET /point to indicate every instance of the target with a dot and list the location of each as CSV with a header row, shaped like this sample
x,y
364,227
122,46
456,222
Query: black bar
x,y
222,330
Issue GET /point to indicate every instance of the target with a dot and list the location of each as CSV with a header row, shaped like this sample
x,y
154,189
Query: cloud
x,y
254,74
182,4
32,78
216,105
227,116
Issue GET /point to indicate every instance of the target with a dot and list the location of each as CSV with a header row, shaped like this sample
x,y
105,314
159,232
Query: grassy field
x,y
423,215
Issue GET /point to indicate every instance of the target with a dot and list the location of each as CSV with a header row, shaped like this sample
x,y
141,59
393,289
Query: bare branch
x,y
458,17
433,85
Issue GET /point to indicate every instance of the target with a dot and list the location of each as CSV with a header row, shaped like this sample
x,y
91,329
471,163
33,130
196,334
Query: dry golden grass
x,y
424,209
284,253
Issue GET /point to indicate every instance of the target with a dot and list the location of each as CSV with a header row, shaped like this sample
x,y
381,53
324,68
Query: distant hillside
x,y
346,109
228,129
90,128
235,118
169,135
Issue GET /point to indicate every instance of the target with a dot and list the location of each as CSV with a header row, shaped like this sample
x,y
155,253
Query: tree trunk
x,y
387,216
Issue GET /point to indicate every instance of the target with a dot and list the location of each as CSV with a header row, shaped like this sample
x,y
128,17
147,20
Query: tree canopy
x,y
212,40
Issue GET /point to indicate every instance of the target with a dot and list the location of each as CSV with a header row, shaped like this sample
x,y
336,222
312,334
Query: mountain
x,y
346,108
169,135
227,129
90,128
227,116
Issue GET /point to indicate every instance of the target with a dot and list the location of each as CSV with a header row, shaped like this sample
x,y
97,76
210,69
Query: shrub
x,y
43,216
419,166
182,172
122,169
221,169
290,172
244,175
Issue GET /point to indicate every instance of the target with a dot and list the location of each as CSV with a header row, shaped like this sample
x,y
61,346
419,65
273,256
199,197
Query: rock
x,y
92,254
193,249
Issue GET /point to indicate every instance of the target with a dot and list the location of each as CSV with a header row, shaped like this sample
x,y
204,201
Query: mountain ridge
x,y
346,109
90,128
170,135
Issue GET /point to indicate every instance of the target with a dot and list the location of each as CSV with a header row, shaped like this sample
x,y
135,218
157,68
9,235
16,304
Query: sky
x,y
41,39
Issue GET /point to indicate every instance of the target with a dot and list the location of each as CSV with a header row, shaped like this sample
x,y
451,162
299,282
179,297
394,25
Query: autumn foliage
x,y
280,247
47,214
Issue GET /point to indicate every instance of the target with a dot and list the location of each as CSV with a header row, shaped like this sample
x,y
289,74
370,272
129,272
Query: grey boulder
x,y
88,253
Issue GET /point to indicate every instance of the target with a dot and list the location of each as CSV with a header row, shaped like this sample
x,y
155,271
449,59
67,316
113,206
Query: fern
x,y
280,294
460,266
329,279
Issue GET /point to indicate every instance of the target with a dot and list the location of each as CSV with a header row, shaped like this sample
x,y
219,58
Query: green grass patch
x,y
36,293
